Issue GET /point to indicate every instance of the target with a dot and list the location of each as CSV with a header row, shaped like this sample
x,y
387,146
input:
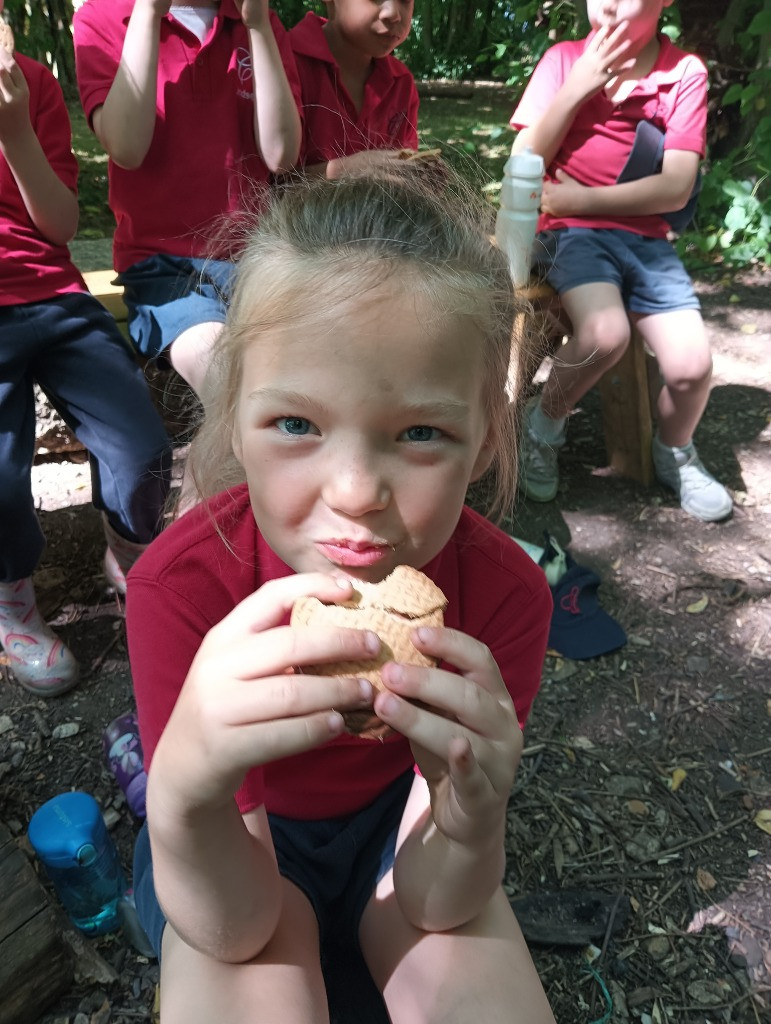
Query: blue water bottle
x,y
70,838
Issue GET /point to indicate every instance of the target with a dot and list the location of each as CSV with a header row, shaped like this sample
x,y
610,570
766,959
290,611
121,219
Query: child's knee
x,y
604,334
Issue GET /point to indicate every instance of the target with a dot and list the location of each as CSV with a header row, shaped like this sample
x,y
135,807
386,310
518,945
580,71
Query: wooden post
x,y
36,965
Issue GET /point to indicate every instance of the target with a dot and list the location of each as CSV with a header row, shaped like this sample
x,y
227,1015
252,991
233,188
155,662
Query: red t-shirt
x,y
332,126
203,161
673,95
32,268
189,579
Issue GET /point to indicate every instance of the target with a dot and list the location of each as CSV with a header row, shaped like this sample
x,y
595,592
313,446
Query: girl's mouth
x,y
352,553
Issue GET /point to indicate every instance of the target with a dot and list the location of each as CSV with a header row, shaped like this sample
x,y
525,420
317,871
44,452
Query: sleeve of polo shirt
x,y
545,81
686,127
98,47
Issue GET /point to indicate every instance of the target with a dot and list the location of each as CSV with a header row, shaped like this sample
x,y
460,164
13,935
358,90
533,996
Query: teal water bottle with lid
x,y
69,836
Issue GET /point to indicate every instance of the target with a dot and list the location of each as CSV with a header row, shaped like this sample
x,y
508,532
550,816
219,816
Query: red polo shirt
x,y
333,127
32,268
213,557
203,161
673,95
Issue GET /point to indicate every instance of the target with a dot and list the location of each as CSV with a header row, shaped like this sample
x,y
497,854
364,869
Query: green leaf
x,y
760,24
732,94
736,219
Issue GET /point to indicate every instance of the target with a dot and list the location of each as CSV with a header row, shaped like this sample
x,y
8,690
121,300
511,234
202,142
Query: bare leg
x,y
481,972
600,334
284,984
679,342
191,350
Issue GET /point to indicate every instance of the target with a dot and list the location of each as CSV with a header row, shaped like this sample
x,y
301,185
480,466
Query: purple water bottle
x,y
70,838
123,751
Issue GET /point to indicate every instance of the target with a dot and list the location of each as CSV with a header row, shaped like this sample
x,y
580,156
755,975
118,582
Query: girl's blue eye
x,y
295,425
421,433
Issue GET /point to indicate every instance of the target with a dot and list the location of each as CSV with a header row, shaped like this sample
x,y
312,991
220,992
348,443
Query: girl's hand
x,y
242,704
254,13
565,197
601,61
465,738
14,99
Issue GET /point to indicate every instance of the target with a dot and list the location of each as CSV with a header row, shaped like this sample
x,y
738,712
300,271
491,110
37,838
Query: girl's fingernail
x,y
424,634
365,688
373,642
343,583
335,723
389,705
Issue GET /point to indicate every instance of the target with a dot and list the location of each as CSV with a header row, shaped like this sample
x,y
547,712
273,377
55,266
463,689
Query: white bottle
x,y
518,214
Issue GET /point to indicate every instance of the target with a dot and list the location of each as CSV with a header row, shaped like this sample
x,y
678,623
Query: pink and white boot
x,y
39,660
119,556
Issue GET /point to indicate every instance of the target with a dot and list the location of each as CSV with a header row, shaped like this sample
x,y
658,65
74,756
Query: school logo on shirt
x,y
244,71
396,123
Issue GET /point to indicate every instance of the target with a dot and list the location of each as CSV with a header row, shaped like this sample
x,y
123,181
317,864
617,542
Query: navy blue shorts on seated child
x,y
166,295
647,271
336,862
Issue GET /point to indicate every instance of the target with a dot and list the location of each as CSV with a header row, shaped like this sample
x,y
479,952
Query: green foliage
x,y
734,219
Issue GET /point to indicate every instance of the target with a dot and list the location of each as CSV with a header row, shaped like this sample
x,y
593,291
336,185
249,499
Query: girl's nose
x,y
356,487
390,12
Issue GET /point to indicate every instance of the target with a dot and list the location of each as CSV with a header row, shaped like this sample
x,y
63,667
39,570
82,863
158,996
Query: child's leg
x,y
284,984
480,972
679,341
599,338
94,382
190,353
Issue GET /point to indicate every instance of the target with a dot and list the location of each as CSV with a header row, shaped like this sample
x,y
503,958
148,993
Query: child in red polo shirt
x,y
196,103
604,245
54,334
360,104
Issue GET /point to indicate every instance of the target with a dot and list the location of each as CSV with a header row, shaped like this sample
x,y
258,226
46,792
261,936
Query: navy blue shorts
x,y
336,862
165,295
647,271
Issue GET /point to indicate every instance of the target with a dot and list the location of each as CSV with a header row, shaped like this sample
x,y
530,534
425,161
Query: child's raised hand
x,y
242,705
600,62
14,99
465,737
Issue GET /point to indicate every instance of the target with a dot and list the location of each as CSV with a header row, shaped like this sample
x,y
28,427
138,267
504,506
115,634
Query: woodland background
x,y
502,40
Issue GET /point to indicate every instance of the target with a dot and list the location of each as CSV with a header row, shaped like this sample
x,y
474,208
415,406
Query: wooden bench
x,y
99,283
627,391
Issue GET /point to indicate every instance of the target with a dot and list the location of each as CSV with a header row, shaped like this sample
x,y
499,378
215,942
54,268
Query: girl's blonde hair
x,y
321,243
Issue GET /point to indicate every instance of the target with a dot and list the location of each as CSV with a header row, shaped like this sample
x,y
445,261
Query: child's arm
x,y
277,127
51,205
601,61
655,193
125,122
241,707
452,858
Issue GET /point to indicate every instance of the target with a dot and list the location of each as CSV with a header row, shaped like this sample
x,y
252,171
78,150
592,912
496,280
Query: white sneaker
x,y
538,470
700,493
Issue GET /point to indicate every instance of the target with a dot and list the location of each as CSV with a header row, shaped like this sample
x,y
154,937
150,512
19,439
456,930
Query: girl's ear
x,y
484,458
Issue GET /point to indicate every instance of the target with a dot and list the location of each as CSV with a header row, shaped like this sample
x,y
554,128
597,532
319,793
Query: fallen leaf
x,y
637,807
705,880
748,328
677,779
698,606
763,819
734,298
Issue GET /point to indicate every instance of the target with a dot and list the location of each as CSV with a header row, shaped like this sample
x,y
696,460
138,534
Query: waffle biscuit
x,y
421,154
6,36
392,608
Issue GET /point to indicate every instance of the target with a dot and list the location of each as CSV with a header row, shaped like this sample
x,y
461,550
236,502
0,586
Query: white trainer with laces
x,y
538,471
700,494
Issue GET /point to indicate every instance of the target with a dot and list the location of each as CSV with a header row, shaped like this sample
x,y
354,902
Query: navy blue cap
x,y
580,628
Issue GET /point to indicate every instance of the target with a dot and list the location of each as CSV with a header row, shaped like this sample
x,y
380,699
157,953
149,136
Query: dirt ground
x,y
647,772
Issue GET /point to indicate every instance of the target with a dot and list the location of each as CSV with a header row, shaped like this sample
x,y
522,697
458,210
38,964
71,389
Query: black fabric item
x,y
646,158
